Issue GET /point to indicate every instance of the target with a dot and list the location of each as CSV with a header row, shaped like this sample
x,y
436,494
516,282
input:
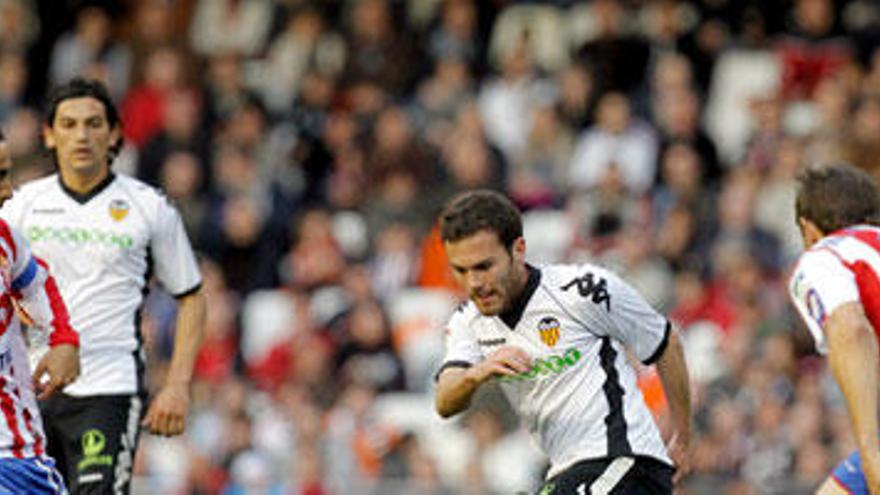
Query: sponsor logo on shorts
x,y
90,478
93,442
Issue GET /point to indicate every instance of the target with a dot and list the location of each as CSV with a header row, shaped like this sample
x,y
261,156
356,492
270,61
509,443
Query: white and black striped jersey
x,y
102,249
580,400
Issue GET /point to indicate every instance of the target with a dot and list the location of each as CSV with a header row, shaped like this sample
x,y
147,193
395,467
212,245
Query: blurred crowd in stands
x,y
309,146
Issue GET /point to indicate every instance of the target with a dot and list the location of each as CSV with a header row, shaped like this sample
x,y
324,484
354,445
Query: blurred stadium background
x,y
310,144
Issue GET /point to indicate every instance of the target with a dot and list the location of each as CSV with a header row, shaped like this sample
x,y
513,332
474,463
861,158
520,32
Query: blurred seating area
x,y
309,146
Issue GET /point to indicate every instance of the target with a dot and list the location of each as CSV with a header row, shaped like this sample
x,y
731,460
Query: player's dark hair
x,y
482,209
2,136
79,87
837,196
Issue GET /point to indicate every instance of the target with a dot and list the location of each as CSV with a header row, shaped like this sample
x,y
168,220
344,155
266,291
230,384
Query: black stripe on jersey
x,y
451,364
660,348
615,422
514,313
138,354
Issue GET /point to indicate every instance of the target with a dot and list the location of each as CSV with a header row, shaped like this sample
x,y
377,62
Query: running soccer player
x,y
836,288
28,290
556,339
104,235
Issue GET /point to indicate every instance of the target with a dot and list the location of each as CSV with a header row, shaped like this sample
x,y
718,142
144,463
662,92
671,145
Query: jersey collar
x,y
83,198
512,316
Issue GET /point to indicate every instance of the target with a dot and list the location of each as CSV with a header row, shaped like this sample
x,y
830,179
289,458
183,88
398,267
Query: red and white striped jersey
x,y
27,284
842,267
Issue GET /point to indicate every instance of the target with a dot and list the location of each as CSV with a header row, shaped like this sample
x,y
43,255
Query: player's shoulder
x,y
559,271
816,265
464,315
37,187
562,277
137,186
143,193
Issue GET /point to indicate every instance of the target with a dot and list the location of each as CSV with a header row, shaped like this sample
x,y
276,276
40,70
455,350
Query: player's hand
x,y
679,451
167,413
506,360
58,368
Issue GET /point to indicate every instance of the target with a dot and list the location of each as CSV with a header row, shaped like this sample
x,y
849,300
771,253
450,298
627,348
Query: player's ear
x,y
518,250
48,137
810,232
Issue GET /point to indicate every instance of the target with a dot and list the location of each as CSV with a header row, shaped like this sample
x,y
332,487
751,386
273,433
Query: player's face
x,y
5,173
491,275
81,135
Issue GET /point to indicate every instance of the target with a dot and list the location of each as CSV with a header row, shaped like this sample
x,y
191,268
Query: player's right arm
x,y
464,369
826,295
855,362
457,385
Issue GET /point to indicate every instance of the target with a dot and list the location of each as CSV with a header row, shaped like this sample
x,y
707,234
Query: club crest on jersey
x,y
118,209
548,328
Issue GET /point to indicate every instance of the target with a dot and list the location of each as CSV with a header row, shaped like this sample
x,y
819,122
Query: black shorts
x,y
636,475
93,440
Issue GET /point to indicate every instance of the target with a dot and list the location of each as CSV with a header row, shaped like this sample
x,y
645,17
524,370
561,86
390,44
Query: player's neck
x,y
522,280
83,181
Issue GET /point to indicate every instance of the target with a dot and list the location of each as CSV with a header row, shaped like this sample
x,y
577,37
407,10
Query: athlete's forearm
x,y
455,388
673,372
188,338
854,360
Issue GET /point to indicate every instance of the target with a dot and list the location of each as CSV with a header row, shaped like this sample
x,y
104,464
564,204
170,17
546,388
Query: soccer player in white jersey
x,y
836,288
28,291
104,235
556,337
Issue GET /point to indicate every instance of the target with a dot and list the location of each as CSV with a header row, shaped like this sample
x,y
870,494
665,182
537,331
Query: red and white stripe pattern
x,y
26,286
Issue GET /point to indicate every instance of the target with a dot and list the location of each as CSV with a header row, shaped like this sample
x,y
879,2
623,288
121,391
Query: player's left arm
x,y
167,413
177,270
653,340
673,372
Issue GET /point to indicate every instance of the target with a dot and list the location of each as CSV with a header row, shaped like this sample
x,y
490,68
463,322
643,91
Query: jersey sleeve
x,y
462,349
819,285
12,208
614,308
175,263
34,289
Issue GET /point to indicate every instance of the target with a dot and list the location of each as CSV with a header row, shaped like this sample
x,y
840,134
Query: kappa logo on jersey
x,y
118,209
815,307
588,287
548,328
